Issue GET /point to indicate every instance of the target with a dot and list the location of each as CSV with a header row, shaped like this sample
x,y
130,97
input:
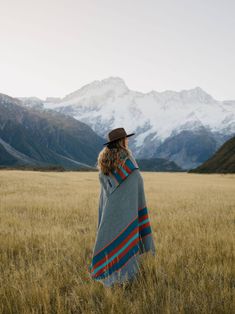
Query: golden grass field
x,y
48,224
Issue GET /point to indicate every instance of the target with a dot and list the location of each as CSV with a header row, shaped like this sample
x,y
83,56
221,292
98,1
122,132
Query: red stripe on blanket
x,y
119,269
128,170
140,208
106,267
143,217
122,175
116,249
115,179
116,236
144,226
147,235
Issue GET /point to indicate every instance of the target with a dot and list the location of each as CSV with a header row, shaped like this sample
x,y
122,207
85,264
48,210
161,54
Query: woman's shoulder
x,y
101,176
128,160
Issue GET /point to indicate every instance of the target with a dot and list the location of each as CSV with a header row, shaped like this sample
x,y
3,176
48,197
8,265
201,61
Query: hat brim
x,y
119,138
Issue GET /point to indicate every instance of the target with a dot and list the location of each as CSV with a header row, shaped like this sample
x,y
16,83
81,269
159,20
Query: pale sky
x,y
54,47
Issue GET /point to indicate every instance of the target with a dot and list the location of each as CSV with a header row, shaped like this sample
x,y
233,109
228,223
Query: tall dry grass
x,y
47,231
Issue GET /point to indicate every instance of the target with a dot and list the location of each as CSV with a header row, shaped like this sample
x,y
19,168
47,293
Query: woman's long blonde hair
x,y
111,155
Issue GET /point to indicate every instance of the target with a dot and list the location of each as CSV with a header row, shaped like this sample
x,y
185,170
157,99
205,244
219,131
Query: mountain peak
x,y
114,80
197,94
97,87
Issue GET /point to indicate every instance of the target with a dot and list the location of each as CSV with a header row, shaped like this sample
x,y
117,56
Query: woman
x,y
123,231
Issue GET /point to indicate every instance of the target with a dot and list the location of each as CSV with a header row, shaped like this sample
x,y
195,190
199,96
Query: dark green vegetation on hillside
x,y
223,161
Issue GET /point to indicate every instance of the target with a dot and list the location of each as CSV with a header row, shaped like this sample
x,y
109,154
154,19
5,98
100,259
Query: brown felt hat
x,y
117,134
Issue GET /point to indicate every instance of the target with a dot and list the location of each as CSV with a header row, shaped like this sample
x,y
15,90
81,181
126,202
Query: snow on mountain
x,y
111,101
110,87
153,116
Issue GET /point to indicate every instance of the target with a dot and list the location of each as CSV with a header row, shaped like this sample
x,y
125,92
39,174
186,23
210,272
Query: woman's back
x,y
124,230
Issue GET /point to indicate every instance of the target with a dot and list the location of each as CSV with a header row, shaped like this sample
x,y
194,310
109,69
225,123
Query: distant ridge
x,y
223,161
158,164
35,137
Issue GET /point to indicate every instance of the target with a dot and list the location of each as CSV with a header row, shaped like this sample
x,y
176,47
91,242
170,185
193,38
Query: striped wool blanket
x,y
124,230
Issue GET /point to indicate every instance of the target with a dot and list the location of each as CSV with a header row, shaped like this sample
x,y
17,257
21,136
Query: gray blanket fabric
x,y
124,231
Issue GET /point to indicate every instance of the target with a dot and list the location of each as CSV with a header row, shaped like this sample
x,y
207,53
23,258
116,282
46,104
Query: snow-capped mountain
x,y
186,127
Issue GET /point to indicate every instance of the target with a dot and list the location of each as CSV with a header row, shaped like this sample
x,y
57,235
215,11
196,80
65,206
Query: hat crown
x,y
116,134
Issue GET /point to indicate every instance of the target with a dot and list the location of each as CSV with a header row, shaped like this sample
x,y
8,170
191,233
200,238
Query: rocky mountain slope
x,y
31,136
223,161
157,164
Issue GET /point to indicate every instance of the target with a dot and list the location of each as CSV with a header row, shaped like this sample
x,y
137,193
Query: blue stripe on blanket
x,y
143,222
143,212
121,262
116,254
122,174
130,164
145,231
117,176
116,242
123,170
105,271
